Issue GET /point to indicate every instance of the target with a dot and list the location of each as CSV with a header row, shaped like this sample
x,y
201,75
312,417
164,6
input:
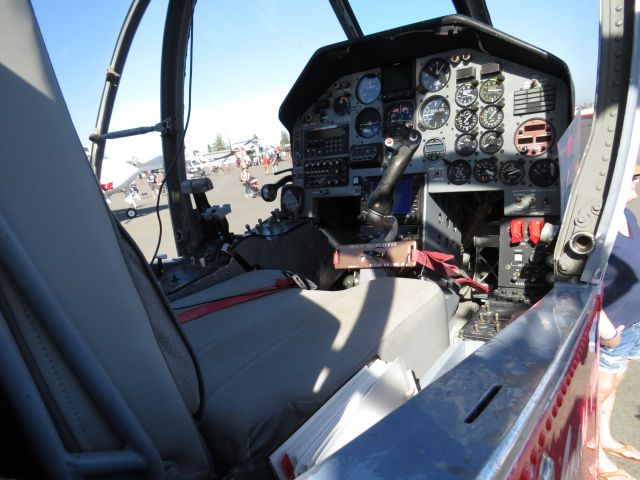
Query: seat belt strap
x,y
192,313
437,261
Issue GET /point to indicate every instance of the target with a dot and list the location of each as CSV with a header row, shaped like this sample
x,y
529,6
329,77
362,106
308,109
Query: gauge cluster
x,y
490,112
492,121
487,124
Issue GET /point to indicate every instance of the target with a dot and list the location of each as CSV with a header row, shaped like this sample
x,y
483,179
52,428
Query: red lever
x,y
535,227
517,230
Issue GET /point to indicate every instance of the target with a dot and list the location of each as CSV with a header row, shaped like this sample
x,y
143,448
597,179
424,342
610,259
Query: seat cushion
x,y
269,363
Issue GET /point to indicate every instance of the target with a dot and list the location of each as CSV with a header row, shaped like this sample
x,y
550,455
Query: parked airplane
x,y
117,174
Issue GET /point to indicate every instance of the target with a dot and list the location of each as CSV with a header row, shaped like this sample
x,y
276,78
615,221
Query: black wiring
x,y
181,145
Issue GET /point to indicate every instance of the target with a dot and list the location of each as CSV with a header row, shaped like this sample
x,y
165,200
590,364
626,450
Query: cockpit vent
x,y
534,100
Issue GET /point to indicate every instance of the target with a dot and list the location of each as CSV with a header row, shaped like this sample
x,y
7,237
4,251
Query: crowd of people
x,y
269,158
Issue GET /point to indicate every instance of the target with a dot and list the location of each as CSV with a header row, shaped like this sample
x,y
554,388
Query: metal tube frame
x,y
347,18
113,76
188,228
476,9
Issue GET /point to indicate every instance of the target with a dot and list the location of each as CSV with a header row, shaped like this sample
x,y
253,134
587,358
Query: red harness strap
x,y
220,303
437,262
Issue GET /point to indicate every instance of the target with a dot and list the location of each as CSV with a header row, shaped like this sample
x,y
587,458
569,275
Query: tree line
x,y
219,144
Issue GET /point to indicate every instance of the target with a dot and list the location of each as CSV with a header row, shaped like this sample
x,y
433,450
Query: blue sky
x,y
249,52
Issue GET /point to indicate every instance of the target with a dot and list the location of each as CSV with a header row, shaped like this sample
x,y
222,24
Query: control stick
x,y
399,151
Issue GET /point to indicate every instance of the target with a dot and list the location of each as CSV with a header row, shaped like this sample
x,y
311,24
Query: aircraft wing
x,y
117,174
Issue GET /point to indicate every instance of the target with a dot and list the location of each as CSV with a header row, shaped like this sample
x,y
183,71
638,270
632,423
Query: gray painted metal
x,y
428,436
130,132
606,146
627,156
114,73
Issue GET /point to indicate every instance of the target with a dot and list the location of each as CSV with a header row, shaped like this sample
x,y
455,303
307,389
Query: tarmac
x,y
144,228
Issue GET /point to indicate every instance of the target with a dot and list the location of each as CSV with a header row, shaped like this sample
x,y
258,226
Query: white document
x,y
373,393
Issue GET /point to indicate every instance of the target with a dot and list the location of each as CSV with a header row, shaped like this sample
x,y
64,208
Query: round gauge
x,y
368,88
435,75
511,172
466,120
435,112
534,137
459,172
342,105
491,90
399,113
368,122
491,142
291,200
434,149
466,144
466,94
485,170
543,173
491,116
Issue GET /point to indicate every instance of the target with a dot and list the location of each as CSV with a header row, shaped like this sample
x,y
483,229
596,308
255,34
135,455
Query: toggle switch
x,y
535,228
516,230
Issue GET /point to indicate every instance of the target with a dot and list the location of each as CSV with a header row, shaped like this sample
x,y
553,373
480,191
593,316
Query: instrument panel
x,y
487,124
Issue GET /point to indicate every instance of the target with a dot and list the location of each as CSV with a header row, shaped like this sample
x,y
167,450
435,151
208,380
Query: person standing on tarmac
x,y
275,160
265,162
245,180
619,329
151,179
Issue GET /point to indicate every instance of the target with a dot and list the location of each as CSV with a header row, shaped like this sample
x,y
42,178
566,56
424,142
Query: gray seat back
x,y
52,203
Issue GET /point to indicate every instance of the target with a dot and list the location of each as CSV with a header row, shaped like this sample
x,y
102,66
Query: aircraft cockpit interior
x,y
441,137
413,257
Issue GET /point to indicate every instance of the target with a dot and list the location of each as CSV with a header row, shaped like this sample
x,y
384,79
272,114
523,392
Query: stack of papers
x,y
373,393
